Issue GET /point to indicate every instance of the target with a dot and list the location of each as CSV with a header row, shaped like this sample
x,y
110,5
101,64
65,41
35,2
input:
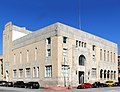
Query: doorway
x,y
81,77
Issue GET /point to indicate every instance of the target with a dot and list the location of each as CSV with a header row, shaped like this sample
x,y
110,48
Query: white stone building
x,y
57,55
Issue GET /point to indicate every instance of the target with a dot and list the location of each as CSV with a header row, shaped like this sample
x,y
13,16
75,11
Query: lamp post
x,y
66,68
66,72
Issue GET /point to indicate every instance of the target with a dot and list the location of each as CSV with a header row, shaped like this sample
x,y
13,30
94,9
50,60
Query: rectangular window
x,y
94,74
108,56
34,72
48,70
36,54
65,56
15,73
76,42
114,57
49,52
27,72
104,55
1,69
93,58
100,54
111,56
84,45
49,40
79,43
93,47
64,39
37,72
65,71
114,74
65,52
20,73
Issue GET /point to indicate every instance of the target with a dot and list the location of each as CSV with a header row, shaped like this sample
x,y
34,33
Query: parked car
x,y
116,84
9,84
3,83
32,85
85,85
104,85
19,84
109,83
99,84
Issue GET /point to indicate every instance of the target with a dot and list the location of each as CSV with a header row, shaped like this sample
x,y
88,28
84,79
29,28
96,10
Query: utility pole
x,y
64,73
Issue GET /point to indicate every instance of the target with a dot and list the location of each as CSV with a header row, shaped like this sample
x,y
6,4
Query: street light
x,y
65,71
66,68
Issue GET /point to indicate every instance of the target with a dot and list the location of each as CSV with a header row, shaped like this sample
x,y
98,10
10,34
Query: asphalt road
x,y
107,89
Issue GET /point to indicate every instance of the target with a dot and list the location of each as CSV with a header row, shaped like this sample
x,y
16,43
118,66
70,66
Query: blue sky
x,y
98,17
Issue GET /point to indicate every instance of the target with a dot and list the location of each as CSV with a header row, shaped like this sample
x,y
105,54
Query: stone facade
x,y
119,68
57,55
1,67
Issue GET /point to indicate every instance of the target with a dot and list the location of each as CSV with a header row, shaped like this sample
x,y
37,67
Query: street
x,y
107,89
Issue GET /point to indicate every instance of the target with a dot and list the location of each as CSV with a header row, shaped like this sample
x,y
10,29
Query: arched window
x,y
82,60
114,74
101,72
111,74
108,74
105,74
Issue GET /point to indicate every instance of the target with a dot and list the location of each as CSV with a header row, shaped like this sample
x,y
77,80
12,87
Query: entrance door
x,y
81,77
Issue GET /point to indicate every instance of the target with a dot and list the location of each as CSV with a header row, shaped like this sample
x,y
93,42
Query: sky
x,y
98,17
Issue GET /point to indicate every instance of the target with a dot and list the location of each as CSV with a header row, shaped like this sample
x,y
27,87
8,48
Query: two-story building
x,y
119,68
57,55
1,67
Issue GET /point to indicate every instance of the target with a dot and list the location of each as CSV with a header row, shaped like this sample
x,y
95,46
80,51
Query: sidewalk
x,y
57,88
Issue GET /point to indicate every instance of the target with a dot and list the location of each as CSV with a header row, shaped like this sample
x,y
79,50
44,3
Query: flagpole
x,y
79,17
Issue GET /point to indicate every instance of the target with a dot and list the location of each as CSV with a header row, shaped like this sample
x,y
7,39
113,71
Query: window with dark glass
x,y
105,74
114,74
101,72
93,47
108,56
111,56
79,43
81,60
76,42
84,45
49,40
104,55
108,74
64,39
114,57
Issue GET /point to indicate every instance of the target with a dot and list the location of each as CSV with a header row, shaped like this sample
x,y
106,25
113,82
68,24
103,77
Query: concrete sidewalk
x,y
57,88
